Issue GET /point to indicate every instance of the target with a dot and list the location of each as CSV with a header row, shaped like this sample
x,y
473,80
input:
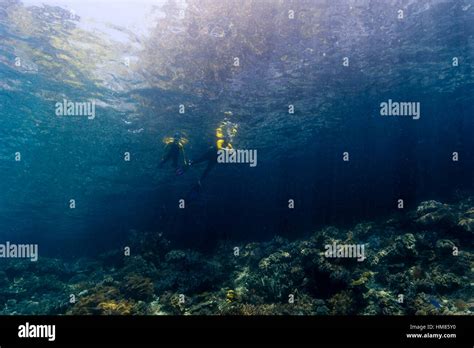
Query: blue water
x,y
189,61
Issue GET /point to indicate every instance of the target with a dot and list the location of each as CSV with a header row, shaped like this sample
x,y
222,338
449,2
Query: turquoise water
x,y
139,68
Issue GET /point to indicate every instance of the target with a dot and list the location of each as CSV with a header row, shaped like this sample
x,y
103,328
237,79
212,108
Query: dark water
x,y
189,60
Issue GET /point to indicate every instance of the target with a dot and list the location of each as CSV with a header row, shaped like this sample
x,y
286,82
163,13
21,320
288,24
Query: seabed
x,y
419,262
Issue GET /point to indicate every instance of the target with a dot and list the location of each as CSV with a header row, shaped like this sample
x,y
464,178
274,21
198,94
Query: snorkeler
x,y
173,147
224,133
210,156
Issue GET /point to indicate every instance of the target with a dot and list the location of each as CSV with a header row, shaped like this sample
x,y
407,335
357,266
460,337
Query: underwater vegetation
x,y
418,263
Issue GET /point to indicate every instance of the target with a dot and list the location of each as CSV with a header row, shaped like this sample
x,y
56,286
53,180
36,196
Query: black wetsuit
x,y
173,154
210,156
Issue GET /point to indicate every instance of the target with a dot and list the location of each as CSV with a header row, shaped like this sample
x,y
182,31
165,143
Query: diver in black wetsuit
x,y
174,146
210,156
223,137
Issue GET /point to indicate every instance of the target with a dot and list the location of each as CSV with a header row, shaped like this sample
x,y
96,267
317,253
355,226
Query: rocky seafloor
x,y
426,255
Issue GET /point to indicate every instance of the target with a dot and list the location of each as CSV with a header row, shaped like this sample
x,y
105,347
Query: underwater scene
x,y
237,157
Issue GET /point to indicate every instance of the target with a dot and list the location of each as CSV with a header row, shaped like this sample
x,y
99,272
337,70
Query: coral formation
x,y
138,287
420,263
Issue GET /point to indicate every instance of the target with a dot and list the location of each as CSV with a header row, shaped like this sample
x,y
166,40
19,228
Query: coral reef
x,y
420,263
138,287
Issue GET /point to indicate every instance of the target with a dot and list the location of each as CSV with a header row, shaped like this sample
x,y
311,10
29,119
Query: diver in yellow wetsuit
x,y
224,134
173,147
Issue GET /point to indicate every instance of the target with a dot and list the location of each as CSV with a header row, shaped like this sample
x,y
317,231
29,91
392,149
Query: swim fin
x,y
194,193
181,170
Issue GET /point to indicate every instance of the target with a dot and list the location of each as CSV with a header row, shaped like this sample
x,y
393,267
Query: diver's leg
x,y
173,155
201,159
205,157
208,169
175,160
165,159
